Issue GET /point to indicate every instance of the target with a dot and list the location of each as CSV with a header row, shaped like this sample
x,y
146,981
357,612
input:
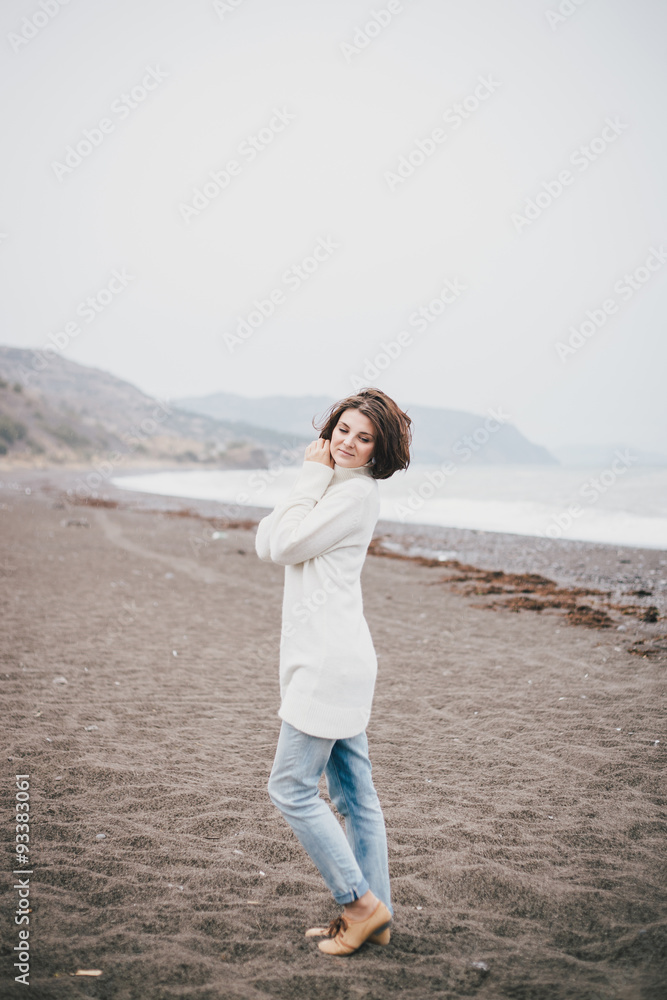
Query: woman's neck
x,y
342,473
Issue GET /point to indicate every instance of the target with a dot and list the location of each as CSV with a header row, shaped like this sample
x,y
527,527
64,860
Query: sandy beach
x,y
517,741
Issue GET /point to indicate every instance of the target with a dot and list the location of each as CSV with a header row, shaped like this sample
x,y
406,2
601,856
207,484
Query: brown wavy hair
x,y
393,430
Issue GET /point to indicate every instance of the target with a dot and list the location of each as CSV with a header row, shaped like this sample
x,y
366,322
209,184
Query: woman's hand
x,y
319,451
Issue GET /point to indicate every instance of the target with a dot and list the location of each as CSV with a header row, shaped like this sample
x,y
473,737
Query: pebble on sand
x,y
60,680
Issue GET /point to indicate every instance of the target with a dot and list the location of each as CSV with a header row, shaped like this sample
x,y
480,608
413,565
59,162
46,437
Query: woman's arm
x,y
307,524
317,451
309,485
263,538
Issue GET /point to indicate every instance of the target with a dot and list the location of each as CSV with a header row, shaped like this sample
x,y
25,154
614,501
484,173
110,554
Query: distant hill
x,y
67,413
71,414
439,435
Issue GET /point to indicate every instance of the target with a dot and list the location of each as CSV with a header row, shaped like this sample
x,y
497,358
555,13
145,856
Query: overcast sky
x,y
403,146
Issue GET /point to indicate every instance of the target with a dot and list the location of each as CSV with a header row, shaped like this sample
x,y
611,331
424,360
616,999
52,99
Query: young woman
x,y
328,665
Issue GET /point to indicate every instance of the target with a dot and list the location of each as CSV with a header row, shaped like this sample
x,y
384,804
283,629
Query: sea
x,y
618,504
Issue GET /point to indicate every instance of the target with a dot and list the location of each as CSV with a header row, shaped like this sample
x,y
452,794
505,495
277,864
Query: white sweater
x,y
320,534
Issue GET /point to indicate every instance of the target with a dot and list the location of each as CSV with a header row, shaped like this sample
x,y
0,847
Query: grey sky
x,y
325,168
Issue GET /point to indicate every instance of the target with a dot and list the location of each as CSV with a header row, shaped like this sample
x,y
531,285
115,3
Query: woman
x,y
320,534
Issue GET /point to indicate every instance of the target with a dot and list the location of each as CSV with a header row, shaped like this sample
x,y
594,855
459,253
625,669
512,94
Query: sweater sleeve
x,y
307,524
311,482
262,538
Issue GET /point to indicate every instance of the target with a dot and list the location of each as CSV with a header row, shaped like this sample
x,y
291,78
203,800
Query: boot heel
x,y
381,936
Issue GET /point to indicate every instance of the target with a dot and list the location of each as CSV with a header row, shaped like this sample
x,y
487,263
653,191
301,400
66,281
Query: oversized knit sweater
x,y
320,534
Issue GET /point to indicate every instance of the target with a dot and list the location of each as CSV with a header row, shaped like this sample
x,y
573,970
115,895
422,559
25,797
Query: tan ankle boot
x,y
344,936
380,937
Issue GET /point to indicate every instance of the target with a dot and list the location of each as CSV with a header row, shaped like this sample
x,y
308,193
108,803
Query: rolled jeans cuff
x,y
349,897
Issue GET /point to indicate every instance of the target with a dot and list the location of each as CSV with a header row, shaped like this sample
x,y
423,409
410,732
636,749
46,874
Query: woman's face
x,y
353,440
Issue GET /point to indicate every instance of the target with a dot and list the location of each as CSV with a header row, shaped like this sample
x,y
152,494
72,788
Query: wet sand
x,y
514,750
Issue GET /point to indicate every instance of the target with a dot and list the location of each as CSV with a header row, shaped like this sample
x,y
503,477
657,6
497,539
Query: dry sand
x,y
514,753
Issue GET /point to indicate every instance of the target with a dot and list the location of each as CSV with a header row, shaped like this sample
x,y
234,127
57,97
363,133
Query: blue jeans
x,y
350,863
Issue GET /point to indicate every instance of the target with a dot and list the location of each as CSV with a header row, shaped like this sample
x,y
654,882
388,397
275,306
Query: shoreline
x,y
635,576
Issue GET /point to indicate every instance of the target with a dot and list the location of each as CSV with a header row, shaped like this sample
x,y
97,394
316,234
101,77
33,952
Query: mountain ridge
x,y
65,413
439,434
